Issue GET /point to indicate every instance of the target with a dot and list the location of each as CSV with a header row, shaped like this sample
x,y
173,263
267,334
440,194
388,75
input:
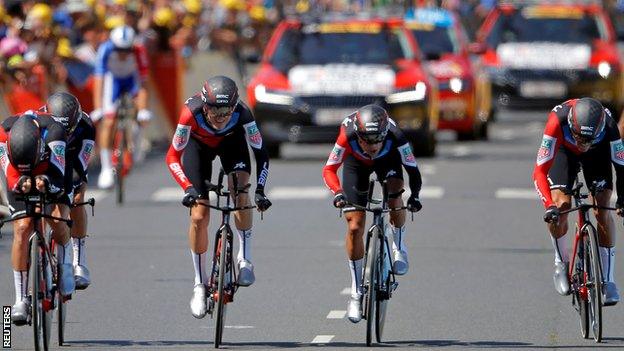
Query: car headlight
x,y
262,95
604,69
418,93
456,85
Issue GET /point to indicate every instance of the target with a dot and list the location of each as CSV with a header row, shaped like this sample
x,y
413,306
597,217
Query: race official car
x,y
465,91
540,54
314,74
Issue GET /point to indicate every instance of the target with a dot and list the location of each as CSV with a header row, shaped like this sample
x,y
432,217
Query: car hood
x,y
447,68
544,55
341,79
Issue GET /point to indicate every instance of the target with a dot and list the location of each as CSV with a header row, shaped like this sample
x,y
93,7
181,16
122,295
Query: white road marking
x,y
461,151
427,169
239,327
506,134
336,243
298,192
171,194
96,194
336,314
322,339
430,192
516,193
346,291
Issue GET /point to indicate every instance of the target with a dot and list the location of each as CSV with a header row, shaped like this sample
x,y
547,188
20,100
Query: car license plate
x,y
333,117
543,89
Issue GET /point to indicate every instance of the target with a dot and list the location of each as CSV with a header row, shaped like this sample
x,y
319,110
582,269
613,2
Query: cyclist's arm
x,y
86,150
335,160
411,167
11,174
56,142
617,156
143,71
254,140
100,69
176,149
552,139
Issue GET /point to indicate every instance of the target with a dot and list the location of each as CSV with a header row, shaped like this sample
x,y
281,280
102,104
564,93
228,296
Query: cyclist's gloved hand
x,y
144,115
262,202
413,204
340,200
620,208
96,115
190,196
42,183
551,215
23,185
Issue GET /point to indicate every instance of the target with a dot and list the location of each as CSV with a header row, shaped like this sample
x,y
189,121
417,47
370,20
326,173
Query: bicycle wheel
x,y
382,303
370,272
119,150
62,313
593,282
221,306
37,284
578,282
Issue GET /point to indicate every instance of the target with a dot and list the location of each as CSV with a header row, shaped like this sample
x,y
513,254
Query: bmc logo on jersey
x,y
4,157
58,154
617,152
547,150
253,133
407,156
86,152
181,137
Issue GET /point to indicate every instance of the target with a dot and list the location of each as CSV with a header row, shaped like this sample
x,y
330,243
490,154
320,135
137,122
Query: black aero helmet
x,y
220,91
586,119
25,143
65,109
371,123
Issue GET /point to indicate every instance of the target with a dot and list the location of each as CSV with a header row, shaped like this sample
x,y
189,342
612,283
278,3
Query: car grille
x,y
341,101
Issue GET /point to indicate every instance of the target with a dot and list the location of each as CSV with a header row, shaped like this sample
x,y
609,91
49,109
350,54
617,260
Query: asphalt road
x,y
480,278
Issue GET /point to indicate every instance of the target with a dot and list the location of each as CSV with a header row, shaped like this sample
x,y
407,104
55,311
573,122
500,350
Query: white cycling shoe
x,y
67,283
198,301
560,278
400,264
82,277
246,275
354,309
20,312
106,179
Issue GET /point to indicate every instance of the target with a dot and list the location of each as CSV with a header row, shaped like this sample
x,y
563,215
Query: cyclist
x,y
32,155
580,133
369,141
121,68
215,123
65,109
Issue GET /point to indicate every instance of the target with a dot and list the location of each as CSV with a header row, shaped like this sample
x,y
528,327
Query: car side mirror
x,y
477,48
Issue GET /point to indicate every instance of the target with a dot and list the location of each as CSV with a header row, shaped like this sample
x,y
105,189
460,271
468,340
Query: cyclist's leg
x,y
234,156
197,160
61,236
355,179
561,177
78,234
111,91
597,169
19,257
391,170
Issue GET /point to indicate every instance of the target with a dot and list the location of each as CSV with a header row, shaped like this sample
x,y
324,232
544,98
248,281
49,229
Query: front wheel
x,y
382,301
370,285
221,295
62,314
593,282
40,319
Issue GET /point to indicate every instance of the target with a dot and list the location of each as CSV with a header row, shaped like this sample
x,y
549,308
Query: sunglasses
x,y
214,111
372,140
582,139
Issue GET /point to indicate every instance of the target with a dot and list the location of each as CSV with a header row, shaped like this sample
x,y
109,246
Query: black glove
x,y
340,200
620,208
190,196
413,204
262,202
551,215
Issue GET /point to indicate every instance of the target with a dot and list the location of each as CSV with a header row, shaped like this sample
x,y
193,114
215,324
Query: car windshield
x,y
526,26
436,40
298,47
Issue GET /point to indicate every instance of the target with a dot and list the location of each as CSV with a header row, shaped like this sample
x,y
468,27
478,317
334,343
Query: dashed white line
x,y
336,314
461,151
516,193
427,169
96,194
345,291
171,194
299,192
322,339
430,192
